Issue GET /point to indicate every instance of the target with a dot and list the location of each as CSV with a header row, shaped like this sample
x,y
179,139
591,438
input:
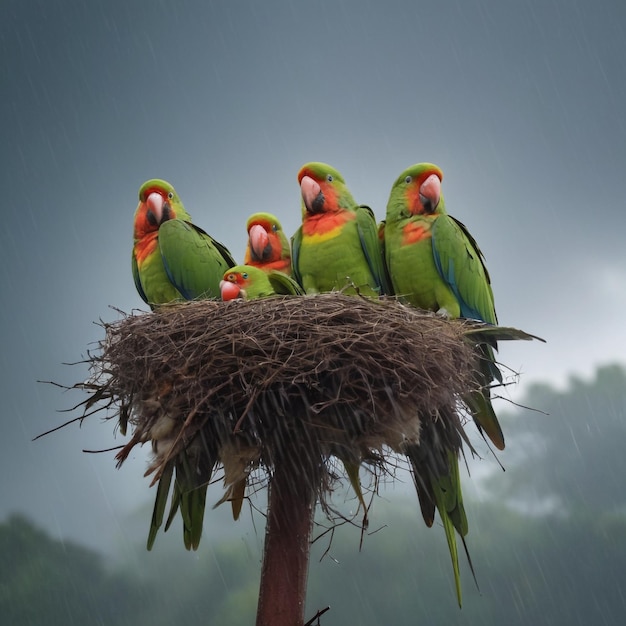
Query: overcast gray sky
x,y
521,103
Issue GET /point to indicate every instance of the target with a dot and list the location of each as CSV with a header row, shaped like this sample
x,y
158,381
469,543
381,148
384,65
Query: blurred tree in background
x,y
45,581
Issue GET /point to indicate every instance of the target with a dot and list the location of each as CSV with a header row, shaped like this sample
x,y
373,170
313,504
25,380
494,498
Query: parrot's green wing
x,y
194,261
461,265
371,244
296,242
283,284
137,280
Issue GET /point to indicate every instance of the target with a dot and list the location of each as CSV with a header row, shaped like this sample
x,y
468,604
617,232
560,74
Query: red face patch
x,y
235,277
414,190
325,224
145,246
143,226
326,188
414,232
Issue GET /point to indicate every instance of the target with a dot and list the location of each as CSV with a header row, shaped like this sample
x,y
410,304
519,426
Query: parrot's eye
x,y
170,195
231,278
244,275
274,227
329,178
408,179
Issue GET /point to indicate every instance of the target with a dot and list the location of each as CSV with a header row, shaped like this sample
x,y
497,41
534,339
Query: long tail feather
x,y
160,503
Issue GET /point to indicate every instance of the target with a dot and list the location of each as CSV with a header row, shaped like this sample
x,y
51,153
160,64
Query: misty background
x,y
520,103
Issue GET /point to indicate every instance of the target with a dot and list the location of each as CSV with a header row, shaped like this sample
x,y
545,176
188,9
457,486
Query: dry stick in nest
x,y
325,375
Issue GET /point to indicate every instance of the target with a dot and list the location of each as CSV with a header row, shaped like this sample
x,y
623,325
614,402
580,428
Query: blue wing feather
x,y
477,302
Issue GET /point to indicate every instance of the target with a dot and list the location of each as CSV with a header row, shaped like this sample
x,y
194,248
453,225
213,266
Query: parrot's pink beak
x,y
229,291
430,193
259,240
155,203
311,194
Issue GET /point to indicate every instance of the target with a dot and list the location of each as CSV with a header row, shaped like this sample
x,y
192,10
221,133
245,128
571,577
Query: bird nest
x,y
297,380
300,377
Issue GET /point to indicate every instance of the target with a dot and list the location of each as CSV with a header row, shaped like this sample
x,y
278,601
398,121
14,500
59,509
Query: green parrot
x,y
268,246
249,282
337,247
435,264
172,258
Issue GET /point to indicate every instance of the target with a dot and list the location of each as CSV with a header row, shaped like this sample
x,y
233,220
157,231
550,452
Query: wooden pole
x,y
284,572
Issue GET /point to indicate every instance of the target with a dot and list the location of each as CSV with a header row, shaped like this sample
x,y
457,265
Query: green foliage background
x,y
547,539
